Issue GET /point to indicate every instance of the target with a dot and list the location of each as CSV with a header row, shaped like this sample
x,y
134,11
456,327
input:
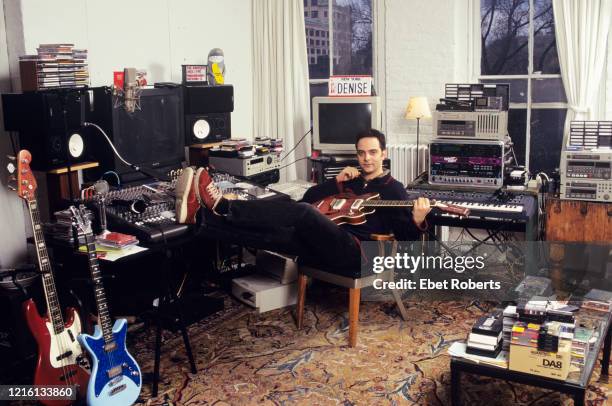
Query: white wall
x,y
12,229
156,35
425,48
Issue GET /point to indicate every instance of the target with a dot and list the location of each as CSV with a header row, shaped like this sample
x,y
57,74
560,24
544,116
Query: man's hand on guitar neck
x,y
347,173
420,210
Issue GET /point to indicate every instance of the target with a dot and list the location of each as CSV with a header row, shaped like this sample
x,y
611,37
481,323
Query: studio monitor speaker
x,y
208,113
49,124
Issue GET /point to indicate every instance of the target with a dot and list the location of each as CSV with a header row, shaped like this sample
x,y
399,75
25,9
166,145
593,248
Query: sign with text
x,y
194,74
350,86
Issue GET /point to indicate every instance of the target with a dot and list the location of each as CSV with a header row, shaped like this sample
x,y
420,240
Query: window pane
x,y
317,89
518,88
545,57
505,31
517,119
548,91
352,20
546,139
317,26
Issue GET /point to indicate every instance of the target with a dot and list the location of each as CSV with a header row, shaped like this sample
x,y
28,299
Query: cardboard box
x,y
555,365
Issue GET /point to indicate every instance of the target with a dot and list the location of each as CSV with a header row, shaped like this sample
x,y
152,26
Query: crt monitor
x,y
338,120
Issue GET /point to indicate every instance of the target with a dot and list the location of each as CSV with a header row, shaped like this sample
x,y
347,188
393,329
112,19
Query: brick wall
x,y
425,47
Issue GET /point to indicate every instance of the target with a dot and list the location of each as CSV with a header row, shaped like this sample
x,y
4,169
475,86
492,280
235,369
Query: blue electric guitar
x,y
115,375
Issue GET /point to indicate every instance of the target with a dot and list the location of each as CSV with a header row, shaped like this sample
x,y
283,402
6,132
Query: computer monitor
x,y
338,120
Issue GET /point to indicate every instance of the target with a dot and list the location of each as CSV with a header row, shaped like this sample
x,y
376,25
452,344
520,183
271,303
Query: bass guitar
x,y
348,208
115,376
60,358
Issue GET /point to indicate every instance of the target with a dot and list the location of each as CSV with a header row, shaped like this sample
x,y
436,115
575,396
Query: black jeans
x,y
320,241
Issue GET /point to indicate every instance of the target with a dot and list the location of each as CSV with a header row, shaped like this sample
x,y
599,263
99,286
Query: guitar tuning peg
x,y
11,168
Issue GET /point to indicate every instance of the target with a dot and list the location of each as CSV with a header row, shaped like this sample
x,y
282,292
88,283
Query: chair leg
x,y
354,298
301,299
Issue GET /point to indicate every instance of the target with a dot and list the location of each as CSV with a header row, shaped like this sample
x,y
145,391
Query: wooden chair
x,y
354,284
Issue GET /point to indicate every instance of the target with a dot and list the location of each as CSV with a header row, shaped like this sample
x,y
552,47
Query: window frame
x,y
475,41
330,39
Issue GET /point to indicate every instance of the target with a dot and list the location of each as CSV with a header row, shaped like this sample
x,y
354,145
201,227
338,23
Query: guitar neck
x,y
388,203
53,306
104,319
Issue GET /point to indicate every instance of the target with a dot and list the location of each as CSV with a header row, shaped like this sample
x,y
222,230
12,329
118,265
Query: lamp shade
x,y
417,108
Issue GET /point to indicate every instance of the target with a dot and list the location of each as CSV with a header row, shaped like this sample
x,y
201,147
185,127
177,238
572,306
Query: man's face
x,y
370,155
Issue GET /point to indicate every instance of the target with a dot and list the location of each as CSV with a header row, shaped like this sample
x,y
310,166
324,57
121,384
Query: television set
x,y
338,120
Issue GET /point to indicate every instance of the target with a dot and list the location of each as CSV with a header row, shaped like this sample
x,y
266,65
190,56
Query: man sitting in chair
x,y
320,240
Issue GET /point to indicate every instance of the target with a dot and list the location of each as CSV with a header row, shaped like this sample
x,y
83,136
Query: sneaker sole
x,y
196,182
183,186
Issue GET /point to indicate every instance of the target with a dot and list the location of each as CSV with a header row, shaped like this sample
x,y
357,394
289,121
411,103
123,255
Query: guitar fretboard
x,y
104,319
388,203
53,306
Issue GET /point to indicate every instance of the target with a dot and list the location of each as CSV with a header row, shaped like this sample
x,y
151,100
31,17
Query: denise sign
x,y
350,85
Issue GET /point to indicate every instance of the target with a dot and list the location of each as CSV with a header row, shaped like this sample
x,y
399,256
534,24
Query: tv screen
x,y
340,123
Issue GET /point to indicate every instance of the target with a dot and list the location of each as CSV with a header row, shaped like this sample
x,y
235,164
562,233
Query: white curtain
x,y
281,96
581,29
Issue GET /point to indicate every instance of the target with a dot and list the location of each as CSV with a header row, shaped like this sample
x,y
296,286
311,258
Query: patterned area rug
x,y
245,359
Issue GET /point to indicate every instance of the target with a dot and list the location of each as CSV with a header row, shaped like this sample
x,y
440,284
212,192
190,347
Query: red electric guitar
x,y
60,358
348,208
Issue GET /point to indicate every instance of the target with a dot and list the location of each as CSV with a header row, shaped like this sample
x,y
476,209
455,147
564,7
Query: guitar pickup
x,y
114,371
70,374
118,389
112,346
64,355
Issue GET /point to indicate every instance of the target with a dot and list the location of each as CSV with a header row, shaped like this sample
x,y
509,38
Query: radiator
x,y
403,161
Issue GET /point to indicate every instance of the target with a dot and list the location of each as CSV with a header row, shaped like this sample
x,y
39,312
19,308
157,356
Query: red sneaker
x,y
187,204
207,193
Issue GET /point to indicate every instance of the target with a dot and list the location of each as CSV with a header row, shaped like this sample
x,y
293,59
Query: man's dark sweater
x,y
384,220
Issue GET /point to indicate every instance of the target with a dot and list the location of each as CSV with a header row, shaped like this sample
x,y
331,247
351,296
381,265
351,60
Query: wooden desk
x,y
577,221
198,153
63,184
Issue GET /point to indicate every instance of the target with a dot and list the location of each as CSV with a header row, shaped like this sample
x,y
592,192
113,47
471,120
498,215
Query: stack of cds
x,y
581,346
510,317
599,300
55,65
116,240
63,228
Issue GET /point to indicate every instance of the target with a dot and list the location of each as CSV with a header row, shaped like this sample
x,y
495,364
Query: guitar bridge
x,y
118,389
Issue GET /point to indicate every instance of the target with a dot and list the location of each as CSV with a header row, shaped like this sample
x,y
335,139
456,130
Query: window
x,y
347,26
519,48
315,14
314,3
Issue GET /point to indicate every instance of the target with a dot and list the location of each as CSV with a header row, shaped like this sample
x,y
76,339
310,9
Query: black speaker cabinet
x,y
49,124
150,137
210,127
208,113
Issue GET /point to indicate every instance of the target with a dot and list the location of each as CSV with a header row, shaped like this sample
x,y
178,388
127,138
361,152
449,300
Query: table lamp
x,y
417,108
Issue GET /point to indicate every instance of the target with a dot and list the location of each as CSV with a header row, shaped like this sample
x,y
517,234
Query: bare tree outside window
x,y
537,91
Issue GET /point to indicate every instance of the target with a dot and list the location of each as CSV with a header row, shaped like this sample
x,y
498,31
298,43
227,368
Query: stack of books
x,y
485,339
54,66
599,300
